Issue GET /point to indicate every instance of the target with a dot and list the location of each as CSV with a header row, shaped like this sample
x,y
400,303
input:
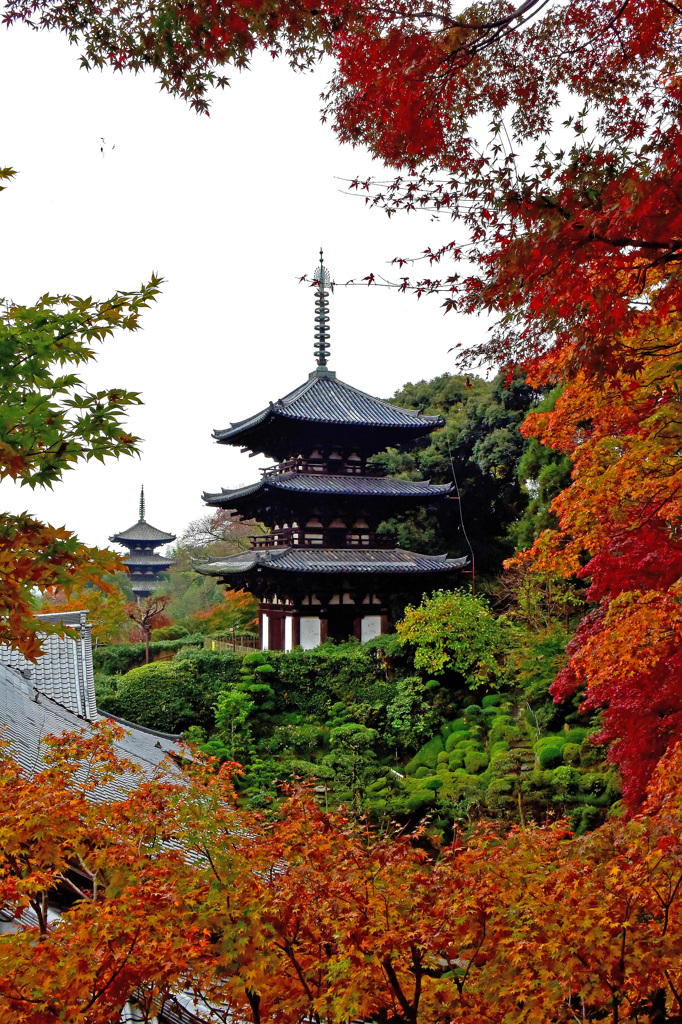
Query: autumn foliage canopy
x,y
312,917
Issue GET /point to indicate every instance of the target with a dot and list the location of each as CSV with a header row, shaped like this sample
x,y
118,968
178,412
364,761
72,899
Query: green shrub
x,y
443,757
434,783
473,715
576,735
456,758
312,680
571,753
169,633
419,802
502,728
422,772
455,739
553,740
116,659
491,700
476,761
166,695
499,748
550,756
456,632
590,754
253,658
428,754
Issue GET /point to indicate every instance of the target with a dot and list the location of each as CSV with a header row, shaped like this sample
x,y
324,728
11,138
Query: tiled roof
x,y
323,398
29,716
144,558
330,560
323,484
142,531
64,672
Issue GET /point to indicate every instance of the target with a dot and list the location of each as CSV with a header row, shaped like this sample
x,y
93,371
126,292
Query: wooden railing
x,y
300,537
238,643
337,467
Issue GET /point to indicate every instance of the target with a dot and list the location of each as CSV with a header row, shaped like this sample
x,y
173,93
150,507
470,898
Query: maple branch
x,y
213,867
98,993
397,990
674,991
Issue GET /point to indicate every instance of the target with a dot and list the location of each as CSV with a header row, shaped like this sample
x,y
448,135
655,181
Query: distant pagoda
x,y
145,566
322,571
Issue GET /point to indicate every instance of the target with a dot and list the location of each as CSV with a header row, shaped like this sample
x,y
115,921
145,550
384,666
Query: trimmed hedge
x,y
116,659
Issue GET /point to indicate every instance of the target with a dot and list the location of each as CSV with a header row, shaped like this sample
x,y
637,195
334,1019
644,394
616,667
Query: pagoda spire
x,y
322,314
142,504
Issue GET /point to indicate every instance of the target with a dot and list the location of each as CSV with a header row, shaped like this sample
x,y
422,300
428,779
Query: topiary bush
x,y
166,695
502,728
476,761
550,756
571,753
115,659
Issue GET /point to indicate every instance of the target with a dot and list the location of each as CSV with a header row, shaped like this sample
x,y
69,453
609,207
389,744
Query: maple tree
x,y
311,916
618,526
126,923
558,231
148,614
50,422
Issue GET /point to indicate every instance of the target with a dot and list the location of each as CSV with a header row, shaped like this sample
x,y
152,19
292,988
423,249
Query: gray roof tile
x,y
323,484
323,398
330,560
142,531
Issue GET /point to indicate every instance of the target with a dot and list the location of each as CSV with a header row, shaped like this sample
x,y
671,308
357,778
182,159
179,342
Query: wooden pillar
x,y
296,629
323,626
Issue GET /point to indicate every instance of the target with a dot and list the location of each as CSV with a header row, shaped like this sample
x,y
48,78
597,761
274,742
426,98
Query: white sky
x,y
231,209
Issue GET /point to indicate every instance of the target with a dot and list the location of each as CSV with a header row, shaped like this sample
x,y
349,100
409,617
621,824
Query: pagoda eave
x,y
238,571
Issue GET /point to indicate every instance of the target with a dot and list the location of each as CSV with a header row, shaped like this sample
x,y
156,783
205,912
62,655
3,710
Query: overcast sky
x,y
117,180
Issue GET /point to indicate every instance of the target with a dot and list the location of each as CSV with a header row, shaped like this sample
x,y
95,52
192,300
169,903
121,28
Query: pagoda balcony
x,y
335,467
300,537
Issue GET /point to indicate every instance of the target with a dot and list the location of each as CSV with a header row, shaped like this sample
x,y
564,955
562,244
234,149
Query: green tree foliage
x,y
173,695
454,631
543,473
50,422
482,441
197,602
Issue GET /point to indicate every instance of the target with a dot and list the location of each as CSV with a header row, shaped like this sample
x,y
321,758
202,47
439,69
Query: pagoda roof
x,y
327,561
324,399
147,558
142,532
322,484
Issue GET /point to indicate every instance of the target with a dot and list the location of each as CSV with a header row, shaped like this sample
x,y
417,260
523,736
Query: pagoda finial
x,y
322,314
142,504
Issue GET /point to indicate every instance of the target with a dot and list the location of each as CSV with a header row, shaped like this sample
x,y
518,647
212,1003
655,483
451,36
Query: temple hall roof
x,y
322,484
324,399
326,561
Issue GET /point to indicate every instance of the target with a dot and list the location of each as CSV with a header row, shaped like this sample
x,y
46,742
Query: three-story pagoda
x,y
322,570
145,566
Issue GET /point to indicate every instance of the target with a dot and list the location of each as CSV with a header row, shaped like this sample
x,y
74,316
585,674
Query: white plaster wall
x,y
288,633
310,632
265,632
370,627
